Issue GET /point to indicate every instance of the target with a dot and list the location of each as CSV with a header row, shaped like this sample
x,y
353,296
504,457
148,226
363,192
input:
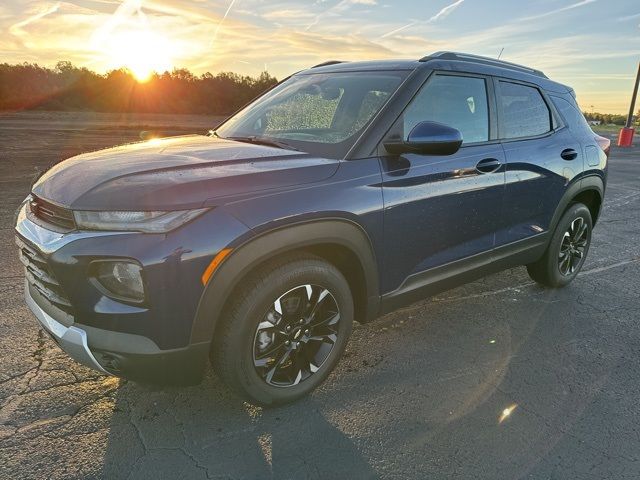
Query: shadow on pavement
x,y
206,432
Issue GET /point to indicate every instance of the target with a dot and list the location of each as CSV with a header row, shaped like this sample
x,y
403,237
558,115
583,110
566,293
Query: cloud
x,y
627,18
224,17
288,14
442,13
338,10
350,47
17,29
559,10
128,13
446,11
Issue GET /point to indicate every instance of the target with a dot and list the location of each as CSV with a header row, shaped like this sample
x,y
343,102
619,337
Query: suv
x,y
346,191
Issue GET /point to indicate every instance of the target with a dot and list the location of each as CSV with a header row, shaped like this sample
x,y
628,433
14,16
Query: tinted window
x,y
571,113
523,111
460,102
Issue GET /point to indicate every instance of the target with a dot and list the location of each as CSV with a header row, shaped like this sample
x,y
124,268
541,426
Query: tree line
x,y
609,118
30,86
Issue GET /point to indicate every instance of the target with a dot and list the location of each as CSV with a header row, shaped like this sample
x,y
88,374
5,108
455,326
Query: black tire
x,y
567,249
298,280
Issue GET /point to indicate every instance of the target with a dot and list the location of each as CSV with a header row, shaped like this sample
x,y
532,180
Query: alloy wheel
x,y
296,336
573,247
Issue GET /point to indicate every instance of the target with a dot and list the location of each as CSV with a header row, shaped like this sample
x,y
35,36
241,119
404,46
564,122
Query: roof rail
x,y
467,57
327,63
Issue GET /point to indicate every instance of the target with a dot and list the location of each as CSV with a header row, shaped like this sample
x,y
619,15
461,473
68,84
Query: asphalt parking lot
x,y
499,379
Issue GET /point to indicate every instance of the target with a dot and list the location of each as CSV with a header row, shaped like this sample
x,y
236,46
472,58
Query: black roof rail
x,y
467,57
327,63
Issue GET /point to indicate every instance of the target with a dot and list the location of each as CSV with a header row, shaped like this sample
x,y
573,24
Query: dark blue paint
x,y
438,209
536,179
172,265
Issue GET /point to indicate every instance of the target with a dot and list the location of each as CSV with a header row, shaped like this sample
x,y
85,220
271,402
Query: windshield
x,y
321,113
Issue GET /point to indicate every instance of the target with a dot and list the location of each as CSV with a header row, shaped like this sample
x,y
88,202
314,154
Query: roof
x,y
338,66
455,61
467,57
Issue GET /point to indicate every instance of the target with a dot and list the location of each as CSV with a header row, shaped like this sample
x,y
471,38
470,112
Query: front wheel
x,y
284,330
567,249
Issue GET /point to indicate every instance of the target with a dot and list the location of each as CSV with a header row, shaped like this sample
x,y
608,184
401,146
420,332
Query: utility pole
x,y
625,139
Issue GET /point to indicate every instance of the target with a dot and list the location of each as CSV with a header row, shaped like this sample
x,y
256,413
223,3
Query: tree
x,y
67,87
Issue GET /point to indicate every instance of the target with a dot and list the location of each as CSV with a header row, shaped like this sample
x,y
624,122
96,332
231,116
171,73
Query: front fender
x,y
256,250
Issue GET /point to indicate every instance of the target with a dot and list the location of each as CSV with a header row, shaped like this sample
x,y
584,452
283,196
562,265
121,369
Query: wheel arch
x,y
589,190
341,242
593,201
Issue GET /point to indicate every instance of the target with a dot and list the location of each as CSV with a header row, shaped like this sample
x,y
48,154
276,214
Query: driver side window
x,y
457,101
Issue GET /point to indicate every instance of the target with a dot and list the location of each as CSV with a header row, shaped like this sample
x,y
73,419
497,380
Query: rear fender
x,y
591,182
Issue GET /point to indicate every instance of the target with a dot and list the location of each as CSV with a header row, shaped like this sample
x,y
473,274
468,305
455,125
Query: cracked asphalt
x,y
499,379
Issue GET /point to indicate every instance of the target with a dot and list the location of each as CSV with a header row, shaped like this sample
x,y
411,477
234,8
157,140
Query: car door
x,y
439,209
542,158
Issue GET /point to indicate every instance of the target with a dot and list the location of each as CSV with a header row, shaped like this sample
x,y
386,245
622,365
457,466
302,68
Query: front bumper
x,y
123,354
100,333
72,340
173,264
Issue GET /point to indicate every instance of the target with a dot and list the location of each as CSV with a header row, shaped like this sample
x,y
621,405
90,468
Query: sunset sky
x,y
593,45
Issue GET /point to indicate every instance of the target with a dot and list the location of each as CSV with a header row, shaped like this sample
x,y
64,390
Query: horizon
x,y
587,44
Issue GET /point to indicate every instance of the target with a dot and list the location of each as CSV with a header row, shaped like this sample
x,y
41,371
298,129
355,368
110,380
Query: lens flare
x,y
506,413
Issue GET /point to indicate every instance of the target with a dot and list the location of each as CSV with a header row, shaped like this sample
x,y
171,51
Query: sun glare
x,y
140,51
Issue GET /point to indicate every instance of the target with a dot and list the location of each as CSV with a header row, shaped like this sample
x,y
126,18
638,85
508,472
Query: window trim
x,y
370,142
491,107
555,121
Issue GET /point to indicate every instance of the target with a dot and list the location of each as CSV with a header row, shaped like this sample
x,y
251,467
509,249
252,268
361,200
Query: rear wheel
x,y
567,249
285,330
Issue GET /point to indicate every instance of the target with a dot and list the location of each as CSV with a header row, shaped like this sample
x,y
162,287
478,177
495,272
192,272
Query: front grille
x,y
51,214
41,278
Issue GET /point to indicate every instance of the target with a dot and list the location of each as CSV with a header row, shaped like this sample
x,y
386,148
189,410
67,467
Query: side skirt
x,y
435,280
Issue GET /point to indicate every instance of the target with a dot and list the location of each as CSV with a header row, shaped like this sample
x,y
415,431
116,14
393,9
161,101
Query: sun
x,y
142,52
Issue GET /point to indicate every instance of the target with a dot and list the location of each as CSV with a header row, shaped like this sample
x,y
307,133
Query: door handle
x,y
569,154
488,165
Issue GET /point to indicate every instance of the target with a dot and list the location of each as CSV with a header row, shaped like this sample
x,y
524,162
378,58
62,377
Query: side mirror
x,y
428,138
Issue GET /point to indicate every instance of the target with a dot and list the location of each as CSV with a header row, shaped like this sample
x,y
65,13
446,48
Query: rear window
x,y
523,111
571,113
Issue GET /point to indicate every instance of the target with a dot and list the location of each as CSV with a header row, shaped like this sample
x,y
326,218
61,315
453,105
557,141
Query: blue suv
x,y
344,192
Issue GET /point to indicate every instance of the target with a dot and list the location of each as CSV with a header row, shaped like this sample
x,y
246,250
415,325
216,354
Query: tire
x,y
567,249
284,301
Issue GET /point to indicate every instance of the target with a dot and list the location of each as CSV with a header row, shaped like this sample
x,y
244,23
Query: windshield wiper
x,y
269,142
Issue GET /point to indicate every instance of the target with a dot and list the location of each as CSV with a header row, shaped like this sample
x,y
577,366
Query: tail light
x,y
605,144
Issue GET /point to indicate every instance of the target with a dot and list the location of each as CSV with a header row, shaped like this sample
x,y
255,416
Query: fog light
x,y
121,279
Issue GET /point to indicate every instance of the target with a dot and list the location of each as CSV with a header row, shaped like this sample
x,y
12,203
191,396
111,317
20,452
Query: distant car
x,y
346,191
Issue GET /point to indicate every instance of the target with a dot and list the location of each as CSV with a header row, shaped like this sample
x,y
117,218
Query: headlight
x,y
120,279
149,222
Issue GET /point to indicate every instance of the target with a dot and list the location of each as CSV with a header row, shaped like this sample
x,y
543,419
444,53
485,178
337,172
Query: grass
x,y
608,129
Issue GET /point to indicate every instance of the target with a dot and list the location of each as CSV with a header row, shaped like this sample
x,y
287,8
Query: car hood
x,y
176,173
